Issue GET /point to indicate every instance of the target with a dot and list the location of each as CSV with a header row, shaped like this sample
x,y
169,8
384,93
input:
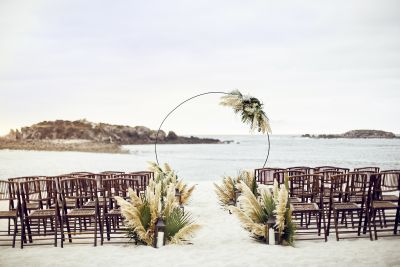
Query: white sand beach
x,y
220,242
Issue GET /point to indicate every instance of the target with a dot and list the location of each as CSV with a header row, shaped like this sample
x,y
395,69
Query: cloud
x,y
320,67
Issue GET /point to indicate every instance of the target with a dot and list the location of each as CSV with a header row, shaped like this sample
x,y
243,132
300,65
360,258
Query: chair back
x,y
387,183
367,169
266,175
41,192
81,190
8,192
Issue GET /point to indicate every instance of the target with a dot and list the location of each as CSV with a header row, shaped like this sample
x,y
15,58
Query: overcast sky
x,y
318,66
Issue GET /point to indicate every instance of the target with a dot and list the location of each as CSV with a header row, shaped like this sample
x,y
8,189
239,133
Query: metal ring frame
x,y
183,102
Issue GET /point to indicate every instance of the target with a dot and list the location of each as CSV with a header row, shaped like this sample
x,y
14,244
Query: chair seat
x,y
32,206
81,213
298,207
8,214
92,204
346,206
357,199
390,198
384,205
42,213
70,203
294,200
114,212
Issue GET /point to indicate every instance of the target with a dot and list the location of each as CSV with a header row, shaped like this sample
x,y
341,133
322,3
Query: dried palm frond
x,y
186,194
254,213
184,233
170,201
138,219
250,108
280,210
257,229
226,191
249,204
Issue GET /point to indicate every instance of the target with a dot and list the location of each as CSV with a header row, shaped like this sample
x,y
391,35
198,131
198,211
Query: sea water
x,y
207,162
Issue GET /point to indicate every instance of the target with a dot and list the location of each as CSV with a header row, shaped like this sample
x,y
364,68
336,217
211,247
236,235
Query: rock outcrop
x,y
99,132
356,134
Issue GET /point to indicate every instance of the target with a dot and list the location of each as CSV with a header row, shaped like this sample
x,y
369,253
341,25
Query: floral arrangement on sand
x,y
167,176
227,192
250,109
141,212
255,211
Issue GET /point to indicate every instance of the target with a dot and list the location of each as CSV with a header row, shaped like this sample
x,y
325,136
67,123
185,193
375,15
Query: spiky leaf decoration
x,y
250,110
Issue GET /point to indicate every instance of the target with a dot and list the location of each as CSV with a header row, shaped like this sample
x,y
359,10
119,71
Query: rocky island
x,y
356,134
85,136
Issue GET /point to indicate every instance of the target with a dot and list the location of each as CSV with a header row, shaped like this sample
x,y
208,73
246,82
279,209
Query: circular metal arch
x,y
187,100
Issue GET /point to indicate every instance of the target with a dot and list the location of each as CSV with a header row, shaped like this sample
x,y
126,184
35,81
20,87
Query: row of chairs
x,y
72,206
355,202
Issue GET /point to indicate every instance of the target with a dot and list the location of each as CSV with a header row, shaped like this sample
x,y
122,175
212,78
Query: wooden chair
x,y
8,194
43,221
354,193
308,213
112,217
266,175
386,199
82,190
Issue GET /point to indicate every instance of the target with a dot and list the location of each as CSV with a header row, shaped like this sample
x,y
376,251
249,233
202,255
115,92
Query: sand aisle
x,y
221,242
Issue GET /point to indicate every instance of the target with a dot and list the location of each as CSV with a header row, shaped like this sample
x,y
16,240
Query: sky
x,y
318,66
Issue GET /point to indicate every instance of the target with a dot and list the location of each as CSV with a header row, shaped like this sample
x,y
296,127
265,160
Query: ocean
x,y
208,162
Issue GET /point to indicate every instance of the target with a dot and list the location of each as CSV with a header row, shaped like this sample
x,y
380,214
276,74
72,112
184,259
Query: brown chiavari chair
x,y
8,193
43,221
354,190
266,175
82,190
112,214
308,188
386,198
326,175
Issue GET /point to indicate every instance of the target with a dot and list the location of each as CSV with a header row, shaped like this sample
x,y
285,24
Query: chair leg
x,y
335,215
95,234
15,231
376,233
108,228
28,227
55,230
397,219
328,228
68,230
100,228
